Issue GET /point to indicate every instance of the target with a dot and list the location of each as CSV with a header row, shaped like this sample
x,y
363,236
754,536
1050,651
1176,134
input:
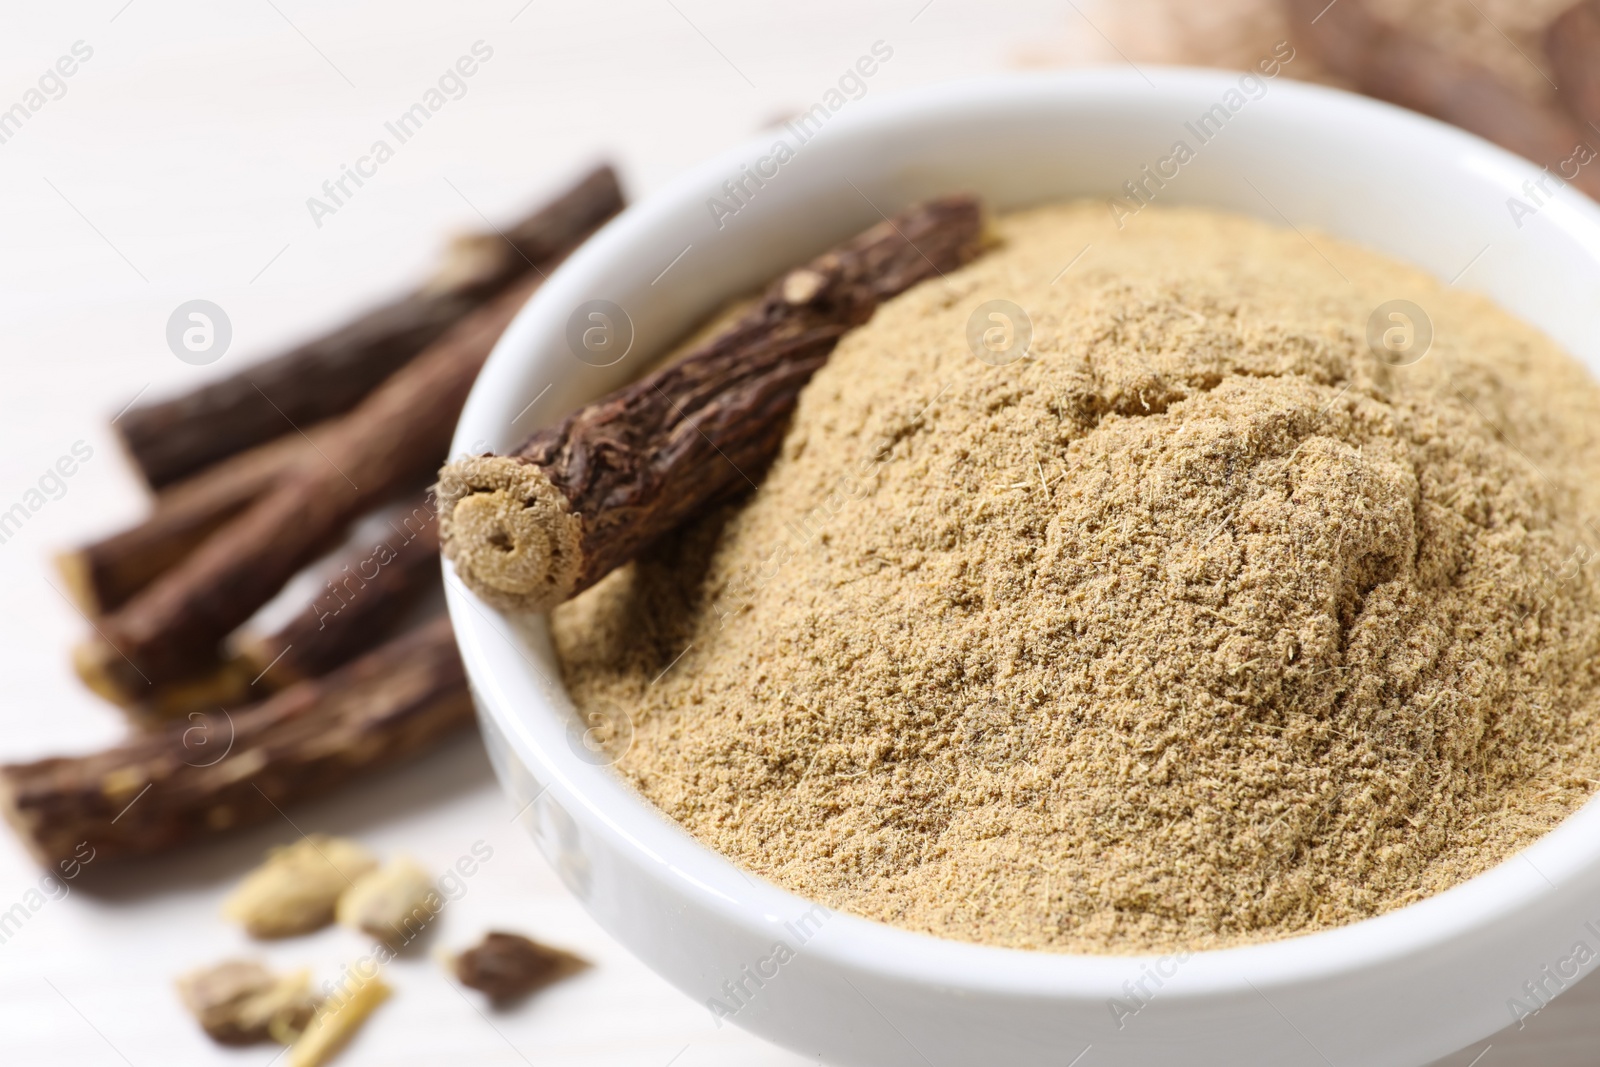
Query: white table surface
x,y
176,166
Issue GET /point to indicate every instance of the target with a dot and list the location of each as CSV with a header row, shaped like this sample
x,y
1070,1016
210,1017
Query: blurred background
x,y
175,164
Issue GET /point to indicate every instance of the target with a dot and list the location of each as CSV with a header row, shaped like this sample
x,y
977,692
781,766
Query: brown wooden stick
x,y
105,574
528,530
369,593
354,613
1572,42
329,375
366,594
1385,61
217,772
173,629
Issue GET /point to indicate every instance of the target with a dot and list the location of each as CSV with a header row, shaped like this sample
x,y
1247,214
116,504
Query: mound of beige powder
x,y
1199,625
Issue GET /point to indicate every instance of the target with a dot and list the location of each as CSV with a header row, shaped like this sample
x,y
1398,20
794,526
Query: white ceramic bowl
x,y
1399,990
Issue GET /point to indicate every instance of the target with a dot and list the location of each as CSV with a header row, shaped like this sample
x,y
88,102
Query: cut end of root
x,y
262,658
101,669
509,532
74,570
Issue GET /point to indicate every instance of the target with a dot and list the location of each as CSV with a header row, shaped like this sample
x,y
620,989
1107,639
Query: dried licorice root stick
x,y
530,529
366,595
369,593
104,575
1572,42
1391,64
327,376
173,629
158,791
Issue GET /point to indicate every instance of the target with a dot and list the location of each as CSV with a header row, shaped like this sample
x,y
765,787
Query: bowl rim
x,y
1542,870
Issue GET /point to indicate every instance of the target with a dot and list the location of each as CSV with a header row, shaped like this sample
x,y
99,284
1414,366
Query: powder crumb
x,y
1198,626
